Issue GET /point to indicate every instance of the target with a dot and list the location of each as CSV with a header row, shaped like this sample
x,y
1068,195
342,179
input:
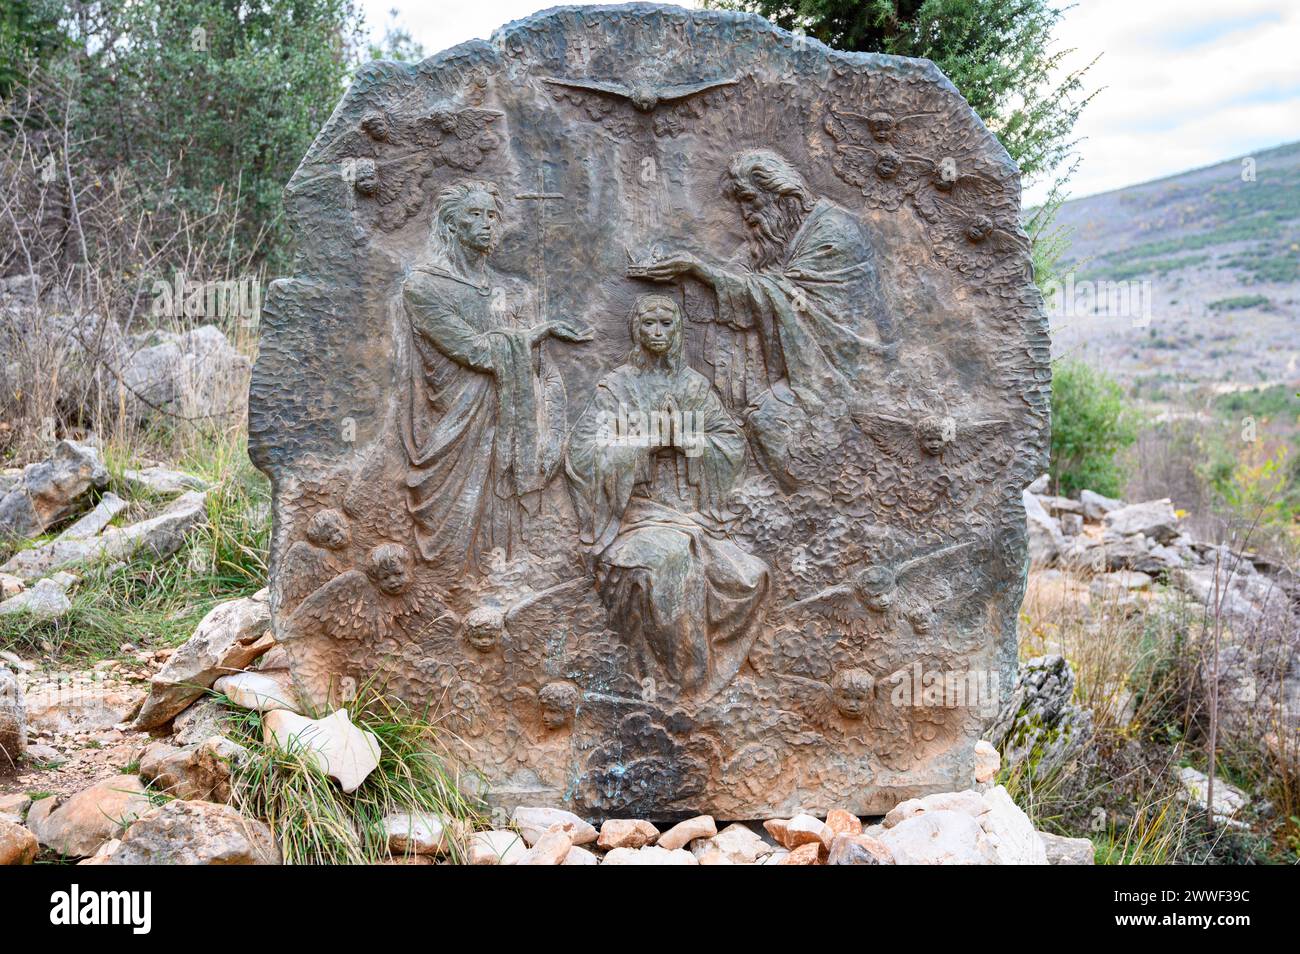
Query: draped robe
x,y
688,600
820,321
483,430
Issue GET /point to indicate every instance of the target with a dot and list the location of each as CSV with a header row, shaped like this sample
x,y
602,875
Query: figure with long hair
x,y
651,462
483,430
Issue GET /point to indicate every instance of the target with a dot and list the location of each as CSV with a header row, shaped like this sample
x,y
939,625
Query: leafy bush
x,y
1090,423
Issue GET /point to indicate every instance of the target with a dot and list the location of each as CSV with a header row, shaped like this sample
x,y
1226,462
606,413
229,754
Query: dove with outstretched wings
x,y
644,97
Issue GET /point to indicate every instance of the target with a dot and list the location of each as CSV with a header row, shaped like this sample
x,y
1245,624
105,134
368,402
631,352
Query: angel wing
x,y
419,609
931,559
669,94
592,86
642,97
347,607
810,698
956,191
516,608
838,603
894,436
880,126
973,440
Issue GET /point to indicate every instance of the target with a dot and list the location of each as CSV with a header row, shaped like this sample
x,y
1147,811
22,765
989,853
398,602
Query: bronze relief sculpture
x,y
653,398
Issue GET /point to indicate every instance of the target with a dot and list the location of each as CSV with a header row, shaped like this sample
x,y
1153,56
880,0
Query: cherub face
x,y
389,567
879,602
555,716
557,700
876,588
853,692
329,530
477,222
978,228
931,437
881,125
483,628
392,577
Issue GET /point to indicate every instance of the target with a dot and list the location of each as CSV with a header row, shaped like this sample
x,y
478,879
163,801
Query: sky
x,y
1181,83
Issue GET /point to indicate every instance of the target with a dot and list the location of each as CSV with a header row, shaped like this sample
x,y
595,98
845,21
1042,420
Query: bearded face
x,y
771,219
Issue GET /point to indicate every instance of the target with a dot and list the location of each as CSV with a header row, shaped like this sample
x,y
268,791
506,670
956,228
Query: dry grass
x,y
315,823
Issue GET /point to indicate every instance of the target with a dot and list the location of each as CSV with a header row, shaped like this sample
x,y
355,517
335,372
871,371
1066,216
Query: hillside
x,y
1222,256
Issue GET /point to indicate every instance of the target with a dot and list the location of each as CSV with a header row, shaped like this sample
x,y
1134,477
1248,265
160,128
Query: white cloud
x,y
1182,85
1186,82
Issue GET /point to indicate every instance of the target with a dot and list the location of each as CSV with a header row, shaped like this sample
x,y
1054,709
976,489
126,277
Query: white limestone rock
x,y
338,748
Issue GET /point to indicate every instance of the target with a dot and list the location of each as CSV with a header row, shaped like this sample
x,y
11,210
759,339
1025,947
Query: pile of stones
x,y
71,483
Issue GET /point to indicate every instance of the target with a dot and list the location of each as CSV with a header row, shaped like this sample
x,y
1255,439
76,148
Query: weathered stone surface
x,y
1229,800
549,849
226,641
1154,519
45,600
10,586
1046,542
1012,836
840,822
338,748
805,854
195,833
197,772
1039,721
533,822
200,721
626,833
649,855
938,838
109,506
1095,506
848,849
606,325
1067,851
418,833
196,374
13,721
802,829
18,846
50,490
14,806
967,801
259,691
736,844
497,848
987,761
577,855
163,481
78,826
683,833
80,705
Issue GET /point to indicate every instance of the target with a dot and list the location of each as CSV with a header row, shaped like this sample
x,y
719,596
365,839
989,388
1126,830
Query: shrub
x,y
1090,423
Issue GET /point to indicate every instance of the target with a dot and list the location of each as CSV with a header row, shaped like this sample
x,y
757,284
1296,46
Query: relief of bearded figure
x,y
809,297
